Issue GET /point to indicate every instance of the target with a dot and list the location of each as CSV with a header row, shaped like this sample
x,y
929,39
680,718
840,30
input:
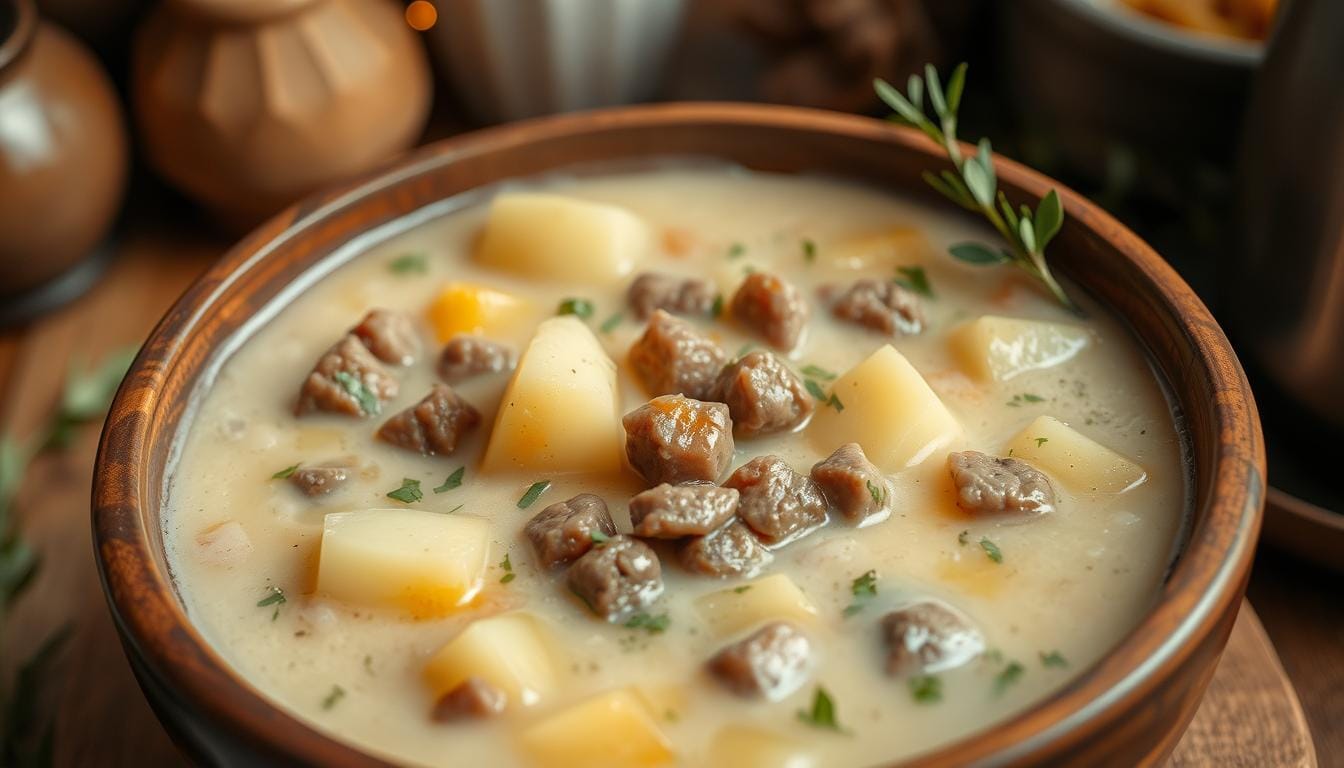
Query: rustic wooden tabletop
x,y
1250,717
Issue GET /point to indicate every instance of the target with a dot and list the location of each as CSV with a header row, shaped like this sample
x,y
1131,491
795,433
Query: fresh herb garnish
x,y
408,493
822,714
962,537
337,693
864,589
735,250
926,689
741,589
879,494
835,403
974,185
610,323
1041,441
916,280
409,264
454,480
534,491
1053,659
654,625
507,566
599,538
809,251
815,389
286,473
368,402
581,308
1007,676
818,372
716,309
454,509
1025,397
991,550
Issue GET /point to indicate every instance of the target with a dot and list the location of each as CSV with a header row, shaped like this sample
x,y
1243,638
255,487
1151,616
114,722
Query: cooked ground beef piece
x,y
563,532
928,637
772,308
732,550
320,480
343,371
770,663
880,305
763,395
673,511
987,485
390,336
674,439
432,426
853,486
673,358
617,579
467,356
779,504
679,295
471,698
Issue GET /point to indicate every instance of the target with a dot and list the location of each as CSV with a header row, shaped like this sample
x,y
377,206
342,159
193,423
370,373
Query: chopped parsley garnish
x,y
409,264
716,308
809,251
962,537
1025,397
914,279
599,538
610,323
817,372
992,550
735,250
454,509
1007,676
654,625
926,689
534,492
879,494
408,493
741,589
368,402
864,589
835,403
453,481
509,575
285,473
815,389
822,714
1041,441
582,308
1053,659
337,693
276,598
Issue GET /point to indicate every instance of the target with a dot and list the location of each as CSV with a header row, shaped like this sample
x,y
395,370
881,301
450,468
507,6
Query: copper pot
x,y
62,153
247,105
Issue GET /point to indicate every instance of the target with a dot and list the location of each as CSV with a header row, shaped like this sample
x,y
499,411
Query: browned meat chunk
x,y
732,550
882,306
673,511
928,637
779,504
772,308
471,698
770,663
673,358
679,295
390,336
432,426
617,579
563,532
674,439
320,480
762,395
347,379
987,485
467,356
853,486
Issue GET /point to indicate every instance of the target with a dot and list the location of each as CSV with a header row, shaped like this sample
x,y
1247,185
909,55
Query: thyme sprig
x,y
974,185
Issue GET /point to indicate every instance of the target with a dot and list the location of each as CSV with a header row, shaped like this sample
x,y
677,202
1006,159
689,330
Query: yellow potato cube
x,y
561,411
542,235
878,250
995,348
729,611
742,746
885,406
1073,459
507,651
421,562
462,308
610,729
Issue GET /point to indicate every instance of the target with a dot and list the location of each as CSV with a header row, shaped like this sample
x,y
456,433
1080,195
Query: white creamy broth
x,y
1070,585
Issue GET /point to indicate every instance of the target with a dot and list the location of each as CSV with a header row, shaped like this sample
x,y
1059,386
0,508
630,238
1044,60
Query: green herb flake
x,y
822,715
581,308
835,403
654,625
337,693
926,689
817,372
992,550
1041,441
454,509
864,589
741,589
914,279
735,250
879,494
815,389
368,401
408,493
1007,676
507,567
453,481
809,251
533,493
409,264
1030,398
276,597
963,537
286,473
1053,659
716,309
610,323
599,538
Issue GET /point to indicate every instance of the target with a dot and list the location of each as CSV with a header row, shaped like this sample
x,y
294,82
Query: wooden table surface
x,y
1249,718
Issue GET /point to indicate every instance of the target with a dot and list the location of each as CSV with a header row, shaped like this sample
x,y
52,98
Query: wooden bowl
x,y
1128,709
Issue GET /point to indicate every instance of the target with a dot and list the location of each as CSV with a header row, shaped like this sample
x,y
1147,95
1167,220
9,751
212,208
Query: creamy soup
x,y
1013,501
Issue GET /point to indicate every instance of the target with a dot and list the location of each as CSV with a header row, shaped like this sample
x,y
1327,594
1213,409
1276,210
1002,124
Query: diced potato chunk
x,y
729,611
742,746
421,562
1073,459
885,250
542,235
561,411
995,348
885,406
611,729
462,308
507,651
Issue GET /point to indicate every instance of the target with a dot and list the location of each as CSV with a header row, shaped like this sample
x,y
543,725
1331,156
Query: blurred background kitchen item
x,y
62,163
247,105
